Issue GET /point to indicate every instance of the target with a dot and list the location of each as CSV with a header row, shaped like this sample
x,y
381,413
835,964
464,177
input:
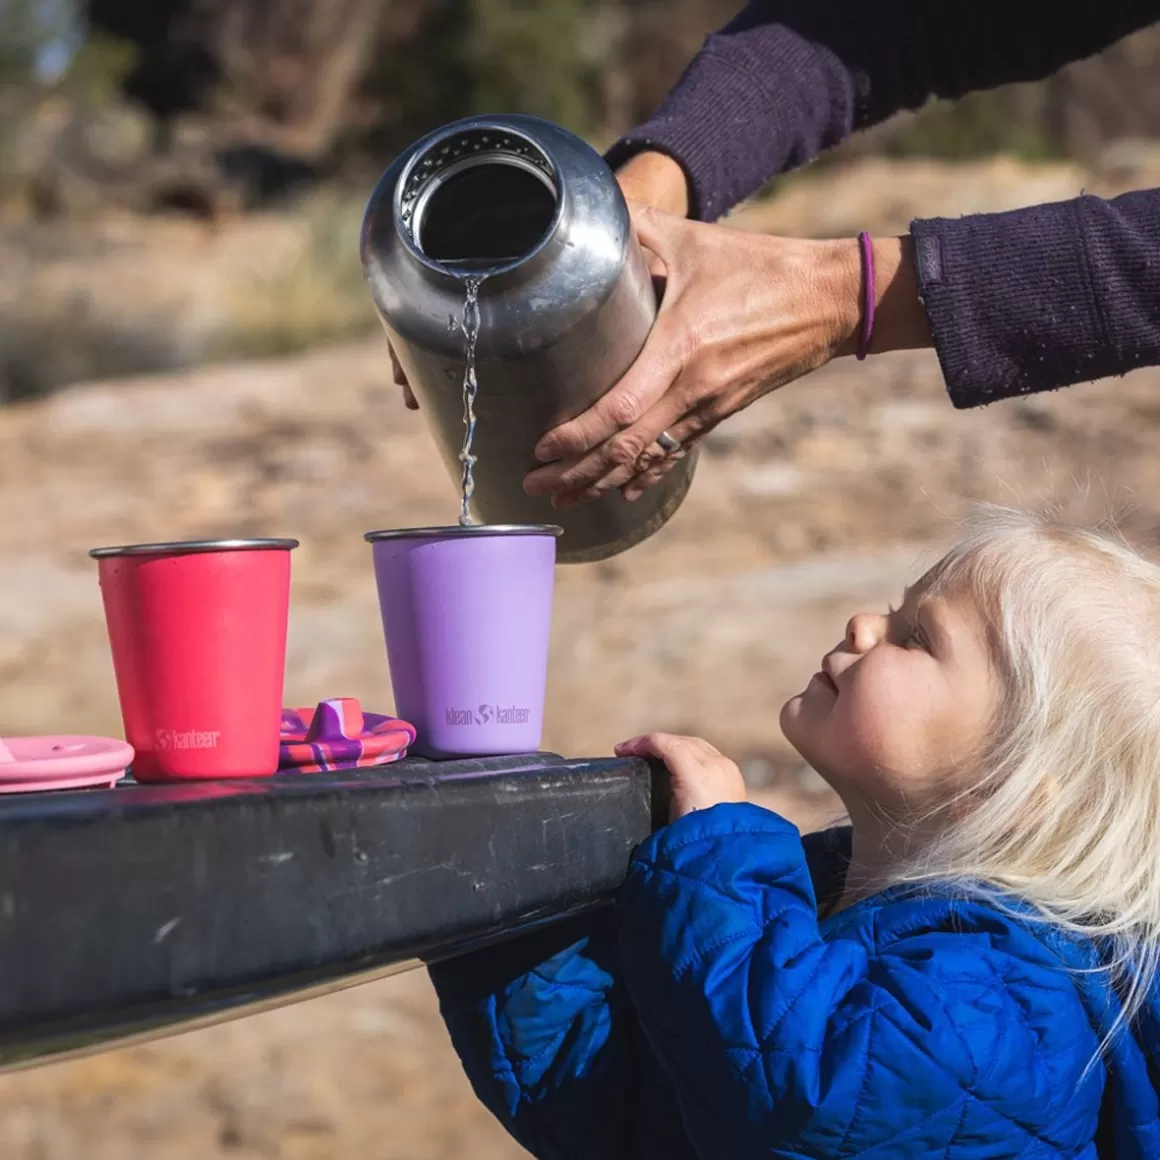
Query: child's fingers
x,y
658,745
629,748
673,746
667,747
700,775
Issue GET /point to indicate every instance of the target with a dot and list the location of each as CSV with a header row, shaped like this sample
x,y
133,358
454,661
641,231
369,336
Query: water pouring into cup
x,y
563,306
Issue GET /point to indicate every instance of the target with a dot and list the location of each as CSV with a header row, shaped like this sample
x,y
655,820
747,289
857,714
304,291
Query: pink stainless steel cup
x,y
198,636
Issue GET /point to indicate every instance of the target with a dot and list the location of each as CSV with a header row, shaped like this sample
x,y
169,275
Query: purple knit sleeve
x,y
1018,302
786,79
1041,298
731,126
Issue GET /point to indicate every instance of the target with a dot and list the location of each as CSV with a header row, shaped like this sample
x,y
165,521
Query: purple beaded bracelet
x,y
868,295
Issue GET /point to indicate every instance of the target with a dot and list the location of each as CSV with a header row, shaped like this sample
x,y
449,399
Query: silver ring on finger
x,y
667,443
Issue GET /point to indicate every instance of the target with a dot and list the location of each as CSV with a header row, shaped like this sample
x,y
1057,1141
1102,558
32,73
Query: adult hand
x,y
400,377
699,775
649,178
742,314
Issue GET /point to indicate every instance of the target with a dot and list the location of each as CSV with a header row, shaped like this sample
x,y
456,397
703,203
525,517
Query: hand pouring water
x,y
533,216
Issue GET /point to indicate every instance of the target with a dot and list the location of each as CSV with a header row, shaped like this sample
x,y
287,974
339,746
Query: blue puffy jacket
x,y
711,1015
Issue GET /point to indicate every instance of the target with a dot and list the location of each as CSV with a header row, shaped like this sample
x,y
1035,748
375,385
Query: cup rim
x,y
455,531
188,547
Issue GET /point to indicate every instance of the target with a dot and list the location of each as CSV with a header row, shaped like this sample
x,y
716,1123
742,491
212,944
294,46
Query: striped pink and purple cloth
x,y
337,734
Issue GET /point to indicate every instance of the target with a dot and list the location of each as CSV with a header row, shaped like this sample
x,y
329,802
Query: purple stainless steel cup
x,y
467,616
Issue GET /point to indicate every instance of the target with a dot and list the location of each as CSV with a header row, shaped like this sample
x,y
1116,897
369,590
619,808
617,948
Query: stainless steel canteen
x,y
564,308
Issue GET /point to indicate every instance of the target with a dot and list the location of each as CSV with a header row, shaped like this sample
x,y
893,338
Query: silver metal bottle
x,y
565,306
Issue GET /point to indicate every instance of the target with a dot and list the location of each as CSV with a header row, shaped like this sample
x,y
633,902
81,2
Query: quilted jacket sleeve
x,y
916,1027
553,1049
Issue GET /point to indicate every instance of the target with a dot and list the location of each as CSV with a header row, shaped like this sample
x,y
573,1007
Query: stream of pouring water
x,y
471,284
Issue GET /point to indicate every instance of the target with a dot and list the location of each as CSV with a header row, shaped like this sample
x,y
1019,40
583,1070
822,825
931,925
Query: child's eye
x,y
911,635
915,638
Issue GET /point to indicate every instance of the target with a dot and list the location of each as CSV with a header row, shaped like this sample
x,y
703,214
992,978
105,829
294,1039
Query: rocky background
x,y
186,349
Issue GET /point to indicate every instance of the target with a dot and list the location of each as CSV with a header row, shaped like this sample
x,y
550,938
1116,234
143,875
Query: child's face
x,y
899,708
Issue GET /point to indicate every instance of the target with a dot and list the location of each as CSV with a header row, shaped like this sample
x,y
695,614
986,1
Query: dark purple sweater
x,y
1018,302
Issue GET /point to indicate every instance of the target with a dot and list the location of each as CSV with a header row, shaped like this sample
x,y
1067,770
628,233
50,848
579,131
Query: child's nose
x,y
864,631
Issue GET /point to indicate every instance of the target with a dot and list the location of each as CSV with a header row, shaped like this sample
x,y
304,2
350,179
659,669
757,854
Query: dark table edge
x,y
74,1038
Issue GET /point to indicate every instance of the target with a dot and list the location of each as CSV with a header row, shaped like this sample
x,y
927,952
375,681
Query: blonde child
x,y
967,971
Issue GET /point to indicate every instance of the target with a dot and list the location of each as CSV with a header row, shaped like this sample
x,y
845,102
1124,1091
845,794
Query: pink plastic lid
x,y
66,756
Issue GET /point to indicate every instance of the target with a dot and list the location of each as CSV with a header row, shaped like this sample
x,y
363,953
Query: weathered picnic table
x,y
130,912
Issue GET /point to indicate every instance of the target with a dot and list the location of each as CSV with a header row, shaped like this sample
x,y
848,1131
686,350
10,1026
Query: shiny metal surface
x,y
565,308
187,546
465,530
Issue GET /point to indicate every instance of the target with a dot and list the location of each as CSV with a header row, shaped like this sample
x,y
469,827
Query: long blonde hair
x,y
1066,815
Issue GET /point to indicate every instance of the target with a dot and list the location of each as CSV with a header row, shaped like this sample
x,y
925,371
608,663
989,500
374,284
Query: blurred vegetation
x,y
539,56
978,125
591,65
313,294
212,109
548,58
96,72
47,343
28,30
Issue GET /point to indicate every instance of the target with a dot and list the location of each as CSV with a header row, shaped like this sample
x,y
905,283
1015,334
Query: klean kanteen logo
x,y
187,738
489,714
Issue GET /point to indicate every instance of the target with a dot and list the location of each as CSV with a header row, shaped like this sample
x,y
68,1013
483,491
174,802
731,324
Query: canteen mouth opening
x,y
479,200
